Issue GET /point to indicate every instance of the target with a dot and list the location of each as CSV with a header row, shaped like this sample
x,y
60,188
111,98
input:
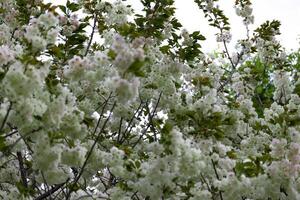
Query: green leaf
x,y
73,6
249,168
231,154
111,54
89,121
167,128
26,191
63,8
151,86
56,51
165,49
3,146
197,36
136,67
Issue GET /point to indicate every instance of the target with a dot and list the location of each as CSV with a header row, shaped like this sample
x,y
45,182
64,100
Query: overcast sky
x,y
287,11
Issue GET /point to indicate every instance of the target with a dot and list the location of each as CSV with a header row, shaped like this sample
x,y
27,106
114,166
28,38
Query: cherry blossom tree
x,y
99,102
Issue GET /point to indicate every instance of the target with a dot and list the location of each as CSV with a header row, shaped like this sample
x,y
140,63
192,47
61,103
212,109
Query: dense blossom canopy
x,y
98,102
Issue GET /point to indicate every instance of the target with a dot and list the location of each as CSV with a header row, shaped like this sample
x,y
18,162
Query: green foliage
x,y
158,15
136,68
215,16
268,29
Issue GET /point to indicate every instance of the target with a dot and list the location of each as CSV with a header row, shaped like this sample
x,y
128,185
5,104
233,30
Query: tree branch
x,y
53,190
22,169
91,36
150,118
6,116
217,175
129,126
76,179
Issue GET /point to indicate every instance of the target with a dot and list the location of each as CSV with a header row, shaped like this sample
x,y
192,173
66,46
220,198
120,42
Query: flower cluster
x,y
42,31
245,11
117,13
130,116
224,37
6,55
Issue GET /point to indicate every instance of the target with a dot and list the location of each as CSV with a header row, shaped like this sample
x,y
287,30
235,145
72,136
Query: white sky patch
x,y
287,11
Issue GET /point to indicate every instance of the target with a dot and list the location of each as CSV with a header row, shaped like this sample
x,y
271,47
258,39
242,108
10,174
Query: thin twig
x,y
129,127
120,129
151,122
92,35
132,118
11,133
217,175
45,182
6,116
150,118
214,166
76,179
22,169
58,193
53,190
135,195
228,55
102,113
233,65
206,183
10,147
